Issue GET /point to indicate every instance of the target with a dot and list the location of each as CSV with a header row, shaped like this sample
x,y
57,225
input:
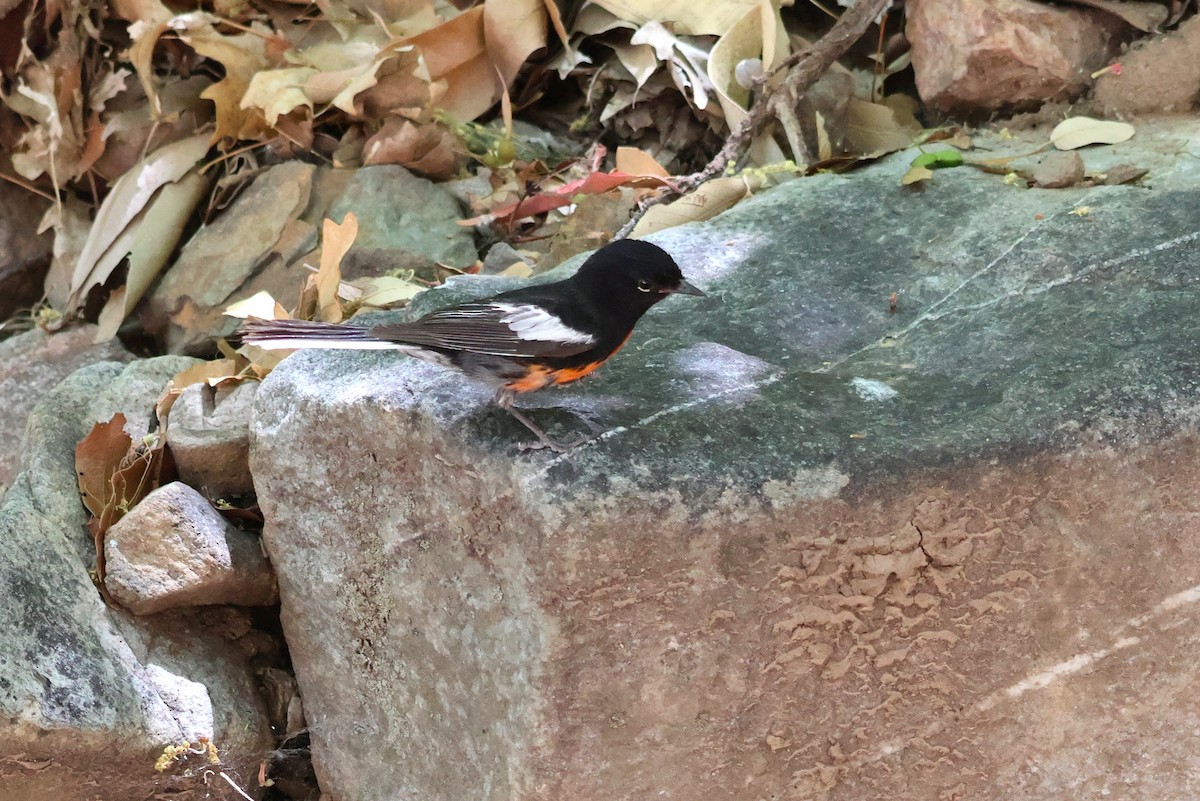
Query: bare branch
x,y
803,68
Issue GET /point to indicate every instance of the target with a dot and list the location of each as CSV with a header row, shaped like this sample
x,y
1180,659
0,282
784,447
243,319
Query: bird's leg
x,y
504,399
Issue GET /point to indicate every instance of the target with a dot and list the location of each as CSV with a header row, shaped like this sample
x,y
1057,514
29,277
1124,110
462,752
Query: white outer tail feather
x,y
296,343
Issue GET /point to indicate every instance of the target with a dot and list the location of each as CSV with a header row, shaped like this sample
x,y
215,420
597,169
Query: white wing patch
x,y
535,323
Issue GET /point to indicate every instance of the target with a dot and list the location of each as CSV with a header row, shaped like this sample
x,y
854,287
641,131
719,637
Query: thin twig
x,y
803,68
12,179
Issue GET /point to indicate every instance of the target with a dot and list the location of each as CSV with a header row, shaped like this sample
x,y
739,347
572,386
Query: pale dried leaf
x,y
259,305
640,60
211,373
709,200
690,16
386,290
1076,132
686,63
109,320
72,225
138,10
748,38
127,200
159,234
278,92
108,86
916,175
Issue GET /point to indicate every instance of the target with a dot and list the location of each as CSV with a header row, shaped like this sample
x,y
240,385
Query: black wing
x,y
498,328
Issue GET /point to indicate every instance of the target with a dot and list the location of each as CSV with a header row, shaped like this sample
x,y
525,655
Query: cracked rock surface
x,y
813,548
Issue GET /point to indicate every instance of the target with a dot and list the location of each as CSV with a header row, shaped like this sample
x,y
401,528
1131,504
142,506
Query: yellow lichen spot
x,y
171,755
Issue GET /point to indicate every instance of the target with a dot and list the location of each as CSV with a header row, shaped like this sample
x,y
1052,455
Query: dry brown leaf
x,y
154,240
50,95
635,161
212,373
243,56
456,52
97,457
336,240
873,129
402,87
513,29
114,475
430,149
147,28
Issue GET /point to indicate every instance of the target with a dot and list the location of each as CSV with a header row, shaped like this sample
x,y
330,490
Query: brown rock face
x,y
984,55
1160,75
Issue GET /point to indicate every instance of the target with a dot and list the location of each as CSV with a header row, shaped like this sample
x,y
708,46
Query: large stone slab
x,y
814,548
89,695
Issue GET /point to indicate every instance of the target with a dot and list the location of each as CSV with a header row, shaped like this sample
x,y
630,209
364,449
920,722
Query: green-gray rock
x,y
814,548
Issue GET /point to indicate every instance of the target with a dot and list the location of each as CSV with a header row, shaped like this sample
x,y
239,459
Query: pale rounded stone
x,y
174,550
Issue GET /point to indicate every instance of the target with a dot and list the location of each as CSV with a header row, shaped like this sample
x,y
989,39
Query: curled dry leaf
x,y
336,239
758,35
114,475
115,228
1076,132
154,240
385,290
429,149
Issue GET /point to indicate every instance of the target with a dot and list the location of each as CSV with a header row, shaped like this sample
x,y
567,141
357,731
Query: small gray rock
x,y
404,222
173,549
209,434
1059,170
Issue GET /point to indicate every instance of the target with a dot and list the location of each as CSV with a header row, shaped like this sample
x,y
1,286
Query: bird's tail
x,y
291,334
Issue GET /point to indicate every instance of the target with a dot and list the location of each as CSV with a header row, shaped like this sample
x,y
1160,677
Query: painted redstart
x,y
518,341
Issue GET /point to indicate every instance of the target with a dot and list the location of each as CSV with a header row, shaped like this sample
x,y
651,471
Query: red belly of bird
x,y
540,376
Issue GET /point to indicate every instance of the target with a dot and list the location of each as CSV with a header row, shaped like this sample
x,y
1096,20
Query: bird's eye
x,y
645,285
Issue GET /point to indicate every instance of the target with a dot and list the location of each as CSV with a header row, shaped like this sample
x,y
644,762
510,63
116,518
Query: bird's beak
x,y
685,288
